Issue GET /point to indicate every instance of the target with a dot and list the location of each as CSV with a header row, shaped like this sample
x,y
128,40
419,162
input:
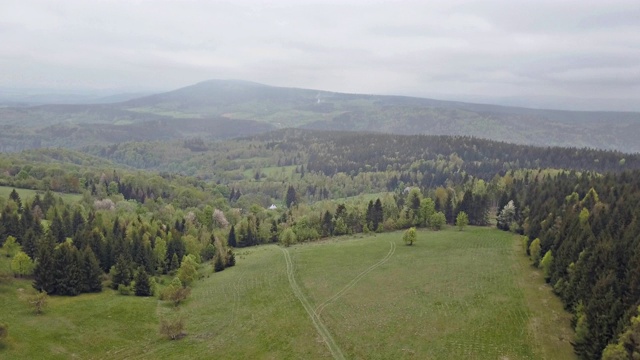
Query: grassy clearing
x,y
30,194
452,295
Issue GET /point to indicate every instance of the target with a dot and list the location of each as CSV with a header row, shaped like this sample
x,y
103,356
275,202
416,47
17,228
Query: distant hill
x,y
272,107
313,109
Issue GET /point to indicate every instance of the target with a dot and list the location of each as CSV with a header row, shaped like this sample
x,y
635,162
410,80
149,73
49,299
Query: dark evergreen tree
x,y
143,283
231,240
218,262
13,196
43,275
378,215
122,272
175,263
68,270
327,224
92,281
30,243
57,228
292,197
77,221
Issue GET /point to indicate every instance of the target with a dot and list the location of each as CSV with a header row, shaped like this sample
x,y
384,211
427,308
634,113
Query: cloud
x,y
462,49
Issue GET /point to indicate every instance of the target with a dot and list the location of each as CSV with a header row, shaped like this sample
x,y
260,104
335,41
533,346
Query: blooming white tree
x,y
507,216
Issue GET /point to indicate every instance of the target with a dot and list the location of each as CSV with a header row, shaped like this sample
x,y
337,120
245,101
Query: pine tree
x,y
218,262
121,272
378,215
175,263
57,228
231,240
16,198
143,283
291,197
77,221
68,270
43,274
30,243
92,272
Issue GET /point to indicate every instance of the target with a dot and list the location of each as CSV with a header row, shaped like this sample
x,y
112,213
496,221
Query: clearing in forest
x,y
452,295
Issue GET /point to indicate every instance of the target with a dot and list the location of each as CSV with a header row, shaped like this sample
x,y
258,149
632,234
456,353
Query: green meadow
x,y
452,295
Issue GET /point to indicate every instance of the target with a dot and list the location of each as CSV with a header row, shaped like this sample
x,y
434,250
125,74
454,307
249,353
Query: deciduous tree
x,y
22,265
462,220
410,236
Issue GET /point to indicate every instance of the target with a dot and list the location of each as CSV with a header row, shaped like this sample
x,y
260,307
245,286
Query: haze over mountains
x,y
218,109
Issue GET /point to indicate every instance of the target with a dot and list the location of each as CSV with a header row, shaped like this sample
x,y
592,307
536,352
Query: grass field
x,y
453,295
30,194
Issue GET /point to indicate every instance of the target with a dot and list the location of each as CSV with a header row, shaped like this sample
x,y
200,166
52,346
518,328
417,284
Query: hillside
x,y
313,109
374,297
205,105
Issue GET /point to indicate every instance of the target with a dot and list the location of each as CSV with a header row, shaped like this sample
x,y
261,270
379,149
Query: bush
x,y
231,258
38,301
175,292
437,221
124,289
173,329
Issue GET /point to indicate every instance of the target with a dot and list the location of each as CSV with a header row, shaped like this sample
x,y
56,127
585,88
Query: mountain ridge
x,y
286,107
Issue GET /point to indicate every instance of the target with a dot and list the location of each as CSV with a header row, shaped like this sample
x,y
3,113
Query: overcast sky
x,y
565,54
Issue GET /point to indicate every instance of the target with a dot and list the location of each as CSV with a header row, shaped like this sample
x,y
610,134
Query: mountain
x,y
313,109
269,107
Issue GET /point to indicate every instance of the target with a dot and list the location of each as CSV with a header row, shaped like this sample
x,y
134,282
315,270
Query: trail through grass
x,y
452,295
356,279
317,322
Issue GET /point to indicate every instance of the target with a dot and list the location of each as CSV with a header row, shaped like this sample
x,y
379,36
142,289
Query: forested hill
x,y
584,232
218,108
331,152
290,107
399,157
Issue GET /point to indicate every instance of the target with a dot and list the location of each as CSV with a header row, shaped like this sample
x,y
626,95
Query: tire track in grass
x,y
355,280
317,322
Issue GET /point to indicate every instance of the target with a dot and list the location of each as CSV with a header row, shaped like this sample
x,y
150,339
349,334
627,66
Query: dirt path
x,y
355,280
317,322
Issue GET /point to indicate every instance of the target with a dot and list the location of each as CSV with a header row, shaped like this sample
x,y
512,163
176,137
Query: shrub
x,y
124,289
173,329
175,292
437,221
38,301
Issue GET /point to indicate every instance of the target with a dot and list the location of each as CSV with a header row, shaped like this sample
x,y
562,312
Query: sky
x,y
573,54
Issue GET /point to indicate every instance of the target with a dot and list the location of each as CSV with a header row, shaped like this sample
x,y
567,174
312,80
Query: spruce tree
x,y
16,198
291,197
30,243
68,270
121,272
92,272
43,276
57,228
143,283
175,263
218,262
231,240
